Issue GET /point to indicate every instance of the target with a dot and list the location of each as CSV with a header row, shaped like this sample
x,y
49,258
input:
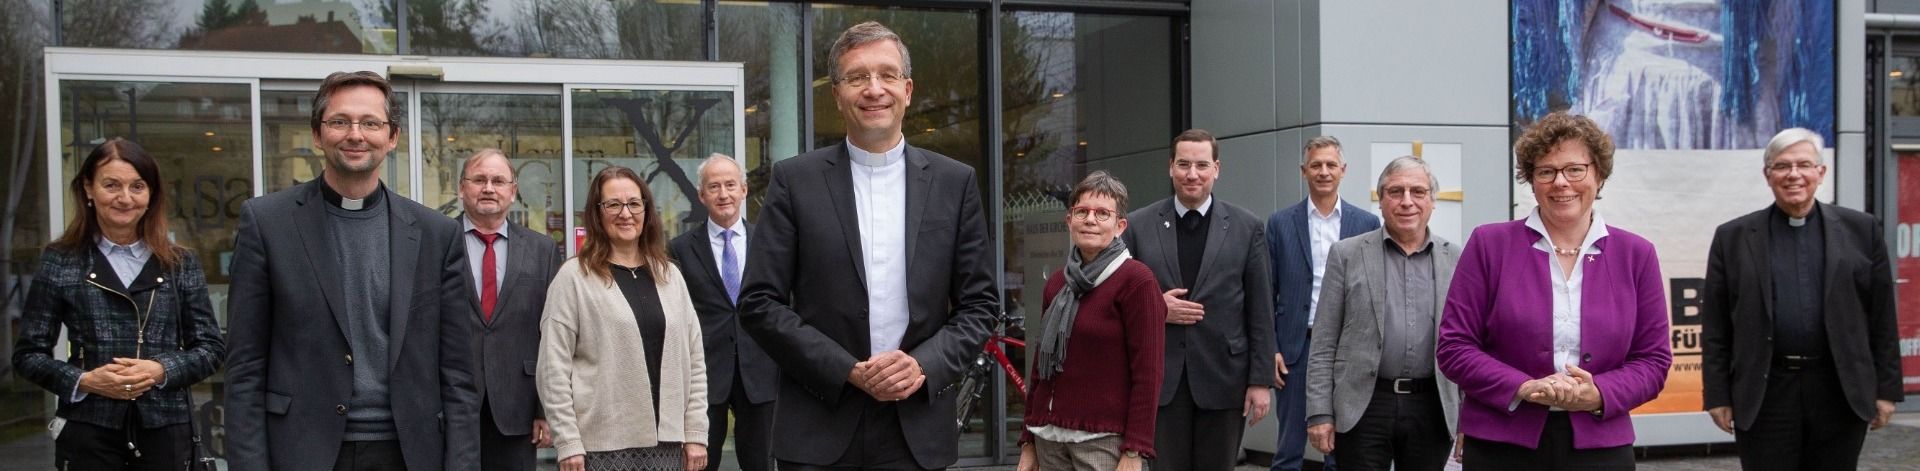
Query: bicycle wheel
x,y
970,389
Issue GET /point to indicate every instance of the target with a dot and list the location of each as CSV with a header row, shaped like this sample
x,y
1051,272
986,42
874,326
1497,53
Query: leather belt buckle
x,y
1796,362
1403,386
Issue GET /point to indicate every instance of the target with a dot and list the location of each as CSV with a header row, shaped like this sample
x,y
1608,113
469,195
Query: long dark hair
x,y
152,228
597,251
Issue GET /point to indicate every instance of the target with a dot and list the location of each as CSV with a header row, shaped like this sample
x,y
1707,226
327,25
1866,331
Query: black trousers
x,y
752,430
1554,452
1405,432
879,444
381,455
500,452
1804,424
1187,437
89,446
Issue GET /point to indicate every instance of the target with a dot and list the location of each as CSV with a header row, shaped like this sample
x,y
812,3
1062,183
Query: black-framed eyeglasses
x,y
1574,173
484,182
1783,168
368,126
612,208
860,80
1098,214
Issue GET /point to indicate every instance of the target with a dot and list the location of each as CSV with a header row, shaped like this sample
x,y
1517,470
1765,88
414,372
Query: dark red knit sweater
x,y
1111,380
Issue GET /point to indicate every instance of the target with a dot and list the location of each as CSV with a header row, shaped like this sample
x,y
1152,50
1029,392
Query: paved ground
x,y
1895,448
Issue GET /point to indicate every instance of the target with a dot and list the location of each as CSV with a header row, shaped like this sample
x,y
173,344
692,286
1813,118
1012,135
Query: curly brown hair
x,y
1537,141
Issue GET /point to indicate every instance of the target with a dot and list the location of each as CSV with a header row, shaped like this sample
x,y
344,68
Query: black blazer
x,y
1737,313
507,347
804,297
289,369
1232,347
730,351
79,290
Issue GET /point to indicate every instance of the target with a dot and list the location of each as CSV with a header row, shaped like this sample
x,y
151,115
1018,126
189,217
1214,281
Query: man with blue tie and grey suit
x,y
1298,239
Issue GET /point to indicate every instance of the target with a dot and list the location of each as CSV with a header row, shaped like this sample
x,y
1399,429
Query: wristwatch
x,y
1130,454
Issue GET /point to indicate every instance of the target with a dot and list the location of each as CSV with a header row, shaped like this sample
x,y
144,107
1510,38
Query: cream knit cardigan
x,y
592,368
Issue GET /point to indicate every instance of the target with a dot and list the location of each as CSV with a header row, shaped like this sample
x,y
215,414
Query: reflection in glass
x,y
287,152
1903,86
1076,89
586,29
661,134
525,127
319,26
766,38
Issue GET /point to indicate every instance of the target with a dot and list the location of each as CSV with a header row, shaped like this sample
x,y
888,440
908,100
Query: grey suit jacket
x,y
289,368
1350,323
1736,314
1232,347
730,351
504,350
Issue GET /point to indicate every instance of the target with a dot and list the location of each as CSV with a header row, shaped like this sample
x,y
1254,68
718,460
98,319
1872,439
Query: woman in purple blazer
x,y
1556,325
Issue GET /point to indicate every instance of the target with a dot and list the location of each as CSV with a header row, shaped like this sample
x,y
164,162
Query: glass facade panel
x,y
1076,89
26,26
524,127
1903,86
287,152
585,29
663,135
319,26
766,38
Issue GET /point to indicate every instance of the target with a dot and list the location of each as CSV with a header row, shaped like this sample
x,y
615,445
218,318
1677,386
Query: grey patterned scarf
x,y
1058,325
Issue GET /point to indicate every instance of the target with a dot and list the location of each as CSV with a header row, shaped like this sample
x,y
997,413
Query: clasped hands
x,y
124,379
1573,390
889,376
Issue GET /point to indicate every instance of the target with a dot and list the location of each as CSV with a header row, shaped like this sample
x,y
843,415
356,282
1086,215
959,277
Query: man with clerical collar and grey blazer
x,y
508,267
741,377
1799,355
1385,405
1210,258
349,344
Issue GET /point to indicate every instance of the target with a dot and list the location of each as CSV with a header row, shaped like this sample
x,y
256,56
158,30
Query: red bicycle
x,y
973,386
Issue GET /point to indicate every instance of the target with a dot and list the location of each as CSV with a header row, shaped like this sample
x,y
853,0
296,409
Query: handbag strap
x,y
201,459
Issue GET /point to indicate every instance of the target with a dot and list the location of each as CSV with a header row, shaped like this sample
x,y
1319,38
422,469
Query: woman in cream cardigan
x,y
622,373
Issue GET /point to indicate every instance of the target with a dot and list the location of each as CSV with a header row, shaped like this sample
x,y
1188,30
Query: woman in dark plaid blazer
x,y
139,326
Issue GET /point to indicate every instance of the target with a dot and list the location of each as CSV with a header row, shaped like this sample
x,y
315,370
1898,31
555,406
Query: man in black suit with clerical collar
x,y
868,279
1799,352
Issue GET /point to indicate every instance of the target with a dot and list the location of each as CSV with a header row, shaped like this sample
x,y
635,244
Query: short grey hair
x,y
719,157
862,34
1792,137
1405,163
1322,142
481,155
1102,183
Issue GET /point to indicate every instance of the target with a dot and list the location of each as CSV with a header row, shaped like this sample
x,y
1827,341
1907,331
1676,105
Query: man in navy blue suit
x,y
1298,239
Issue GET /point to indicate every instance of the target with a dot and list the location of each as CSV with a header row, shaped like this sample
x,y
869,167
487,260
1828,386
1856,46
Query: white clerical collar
x,y
739,227
1181,208
891,156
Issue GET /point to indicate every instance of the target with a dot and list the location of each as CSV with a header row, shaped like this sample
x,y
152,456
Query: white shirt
x,y
739,229
1322,232
880,198
477,251
1566,289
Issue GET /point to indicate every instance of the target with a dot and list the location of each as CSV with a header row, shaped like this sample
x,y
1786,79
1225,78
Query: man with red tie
x,y
509,267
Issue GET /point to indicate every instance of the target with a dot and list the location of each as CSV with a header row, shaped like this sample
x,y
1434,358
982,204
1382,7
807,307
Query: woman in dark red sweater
x,y
1097,355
